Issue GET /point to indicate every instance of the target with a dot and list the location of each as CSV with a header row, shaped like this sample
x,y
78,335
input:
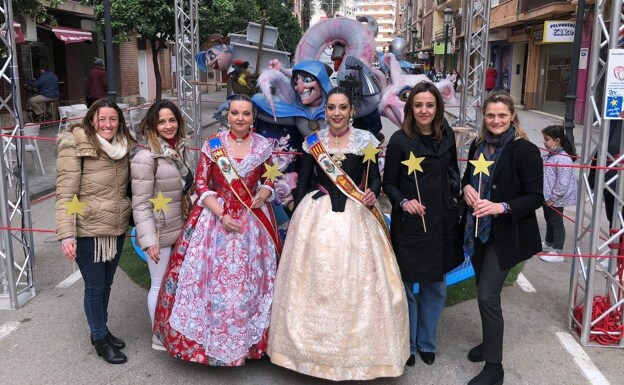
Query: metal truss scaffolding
x,y
187,47
476,53
586,283
17,254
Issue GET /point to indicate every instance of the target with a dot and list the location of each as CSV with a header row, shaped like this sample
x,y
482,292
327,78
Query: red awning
x,y
19,35
69,35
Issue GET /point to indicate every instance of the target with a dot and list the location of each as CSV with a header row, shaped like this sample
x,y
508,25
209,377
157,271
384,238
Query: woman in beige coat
x,y
162,167
92,210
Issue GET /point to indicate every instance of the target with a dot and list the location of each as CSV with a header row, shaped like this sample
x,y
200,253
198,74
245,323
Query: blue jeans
x,y
98,278
424,314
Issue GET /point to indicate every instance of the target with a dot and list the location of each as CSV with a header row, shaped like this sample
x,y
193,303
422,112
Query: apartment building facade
x,y
531,65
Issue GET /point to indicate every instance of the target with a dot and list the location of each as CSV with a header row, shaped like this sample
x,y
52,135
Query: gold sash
x,y
341,179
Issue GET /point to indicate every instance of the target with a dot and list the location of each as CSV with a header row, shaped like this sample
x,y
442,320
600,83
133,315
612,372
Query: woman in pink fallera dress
x,y
215,301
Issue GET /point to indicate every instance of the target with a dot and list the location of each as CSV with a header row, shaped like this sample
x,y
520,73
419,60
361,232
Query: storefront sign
x,y
615,85
559,31
583,56
438,48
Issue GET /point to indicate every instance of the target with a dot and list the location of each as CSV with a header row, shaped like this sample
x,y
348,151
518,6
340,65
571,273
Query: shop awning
x,y
19,35
69,35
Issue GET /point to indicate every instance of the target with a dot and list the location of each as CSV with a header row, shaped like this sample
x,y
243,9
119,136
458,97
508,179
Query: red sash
x,y
240,190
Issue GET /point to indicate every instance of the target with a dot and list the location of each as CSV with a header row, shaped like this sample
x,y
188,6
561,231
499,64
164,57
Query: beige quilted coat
x,y
99,182
145,186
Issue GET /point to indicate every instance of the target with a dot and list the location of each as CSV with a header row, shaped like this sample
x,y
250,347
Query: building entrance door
x,y
554,76
143,91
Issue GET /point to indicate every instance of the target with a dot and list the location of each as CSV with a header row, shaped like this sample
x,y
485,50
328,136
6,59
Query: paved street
x,y
46,341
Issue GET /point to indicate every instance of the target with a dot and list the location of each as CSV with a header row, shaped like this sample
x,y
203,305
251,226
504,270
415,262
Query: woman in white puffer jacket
x,y
161,167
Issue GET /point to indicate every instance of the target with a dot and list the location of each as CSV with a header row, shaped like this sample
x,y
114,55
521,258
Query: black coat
x,y
425,256
518,180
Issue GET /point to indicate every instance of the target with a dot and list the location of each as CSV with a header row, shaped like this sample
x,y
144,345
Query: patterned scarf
x,y
179,158
485,223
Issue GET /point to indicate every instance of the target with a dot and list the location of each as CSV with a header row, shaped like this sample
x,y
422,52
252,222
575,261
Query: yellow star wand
x,y
160,204
370,153
481,165
413,165
75,207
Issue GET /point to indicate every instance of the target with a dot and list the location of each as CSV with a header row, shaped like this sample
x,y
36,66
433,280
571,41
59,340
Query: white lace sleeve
x,y
361,139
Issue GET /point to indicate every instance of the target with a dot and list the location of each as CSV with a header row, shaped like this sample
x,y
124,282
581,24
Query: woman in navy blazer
x,y
506,230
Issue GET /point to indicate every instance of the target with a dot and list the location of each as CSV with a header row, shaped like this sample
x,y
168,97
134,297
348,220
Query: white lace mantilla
x,y
358,140
259,152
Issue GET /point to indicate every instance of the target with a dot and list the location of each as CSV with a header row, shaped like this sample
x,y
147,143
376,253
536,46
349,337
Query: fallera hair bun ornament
x,y
98,62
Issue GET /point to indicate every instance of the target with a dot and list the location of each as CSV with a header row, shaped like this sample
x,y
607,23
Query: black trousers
x,y
490,280
555,229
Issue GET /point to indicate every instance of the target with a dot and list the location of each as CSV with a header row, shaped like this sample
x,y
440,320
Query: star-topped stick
x,y
370,153
413,165
160,204
271,172
481,165
75,207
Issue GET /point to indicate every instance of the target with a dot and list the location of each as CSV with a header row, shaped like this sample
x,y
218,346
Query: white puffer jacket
x,y
146,185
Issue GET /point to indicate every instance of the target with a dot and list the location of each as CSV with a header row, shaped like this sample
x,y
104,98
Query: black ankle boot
x,y
476,354
411,361
116,342
492,374
105,350
427,357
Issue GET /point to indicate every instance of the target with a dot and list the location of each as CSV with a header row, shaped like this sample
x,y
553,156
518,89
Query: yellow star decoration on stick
x,y
481,165
160,202
271,172
413,163
75,206
369,153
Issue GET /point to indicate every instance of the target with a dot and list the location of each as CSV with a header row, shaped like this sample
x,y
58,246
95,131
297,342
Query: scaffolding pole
x,y
17,254
590,237
187,47
476,55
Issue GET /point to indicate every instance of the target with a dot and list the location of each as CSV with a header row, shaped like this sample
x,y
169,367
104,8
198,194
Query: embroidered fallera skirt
x,y
215,301
339,308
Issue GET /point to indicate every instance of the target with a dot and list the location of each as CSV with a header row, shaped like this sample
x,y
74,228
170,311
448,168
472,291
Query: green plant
x,y
467,289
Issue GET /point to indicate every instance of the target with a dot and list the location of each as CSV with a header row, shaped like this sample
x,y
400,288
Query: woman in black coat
x,y
507,230
426,236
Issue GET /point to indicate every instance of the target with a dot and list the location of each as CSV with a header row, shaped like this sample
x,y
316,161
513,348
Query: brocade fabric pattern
x,y
339,309
215,302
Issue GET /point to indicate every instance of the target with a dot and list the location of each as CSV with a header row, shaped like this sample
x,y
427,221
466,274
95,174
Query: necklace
x,y
238,140
336,137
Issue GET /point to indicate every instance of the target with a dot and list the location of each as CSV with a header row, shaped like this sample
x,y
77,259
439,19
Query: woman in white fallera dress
x,y
339,309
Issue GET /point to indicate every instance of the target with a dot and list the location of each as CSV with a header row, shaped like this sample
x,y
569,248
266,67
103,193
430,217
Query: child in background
x,y
560,189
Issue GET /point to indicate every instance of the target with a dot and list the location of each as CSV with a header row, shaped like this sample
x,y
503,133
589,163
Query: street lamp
x,y
448,15
413,40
